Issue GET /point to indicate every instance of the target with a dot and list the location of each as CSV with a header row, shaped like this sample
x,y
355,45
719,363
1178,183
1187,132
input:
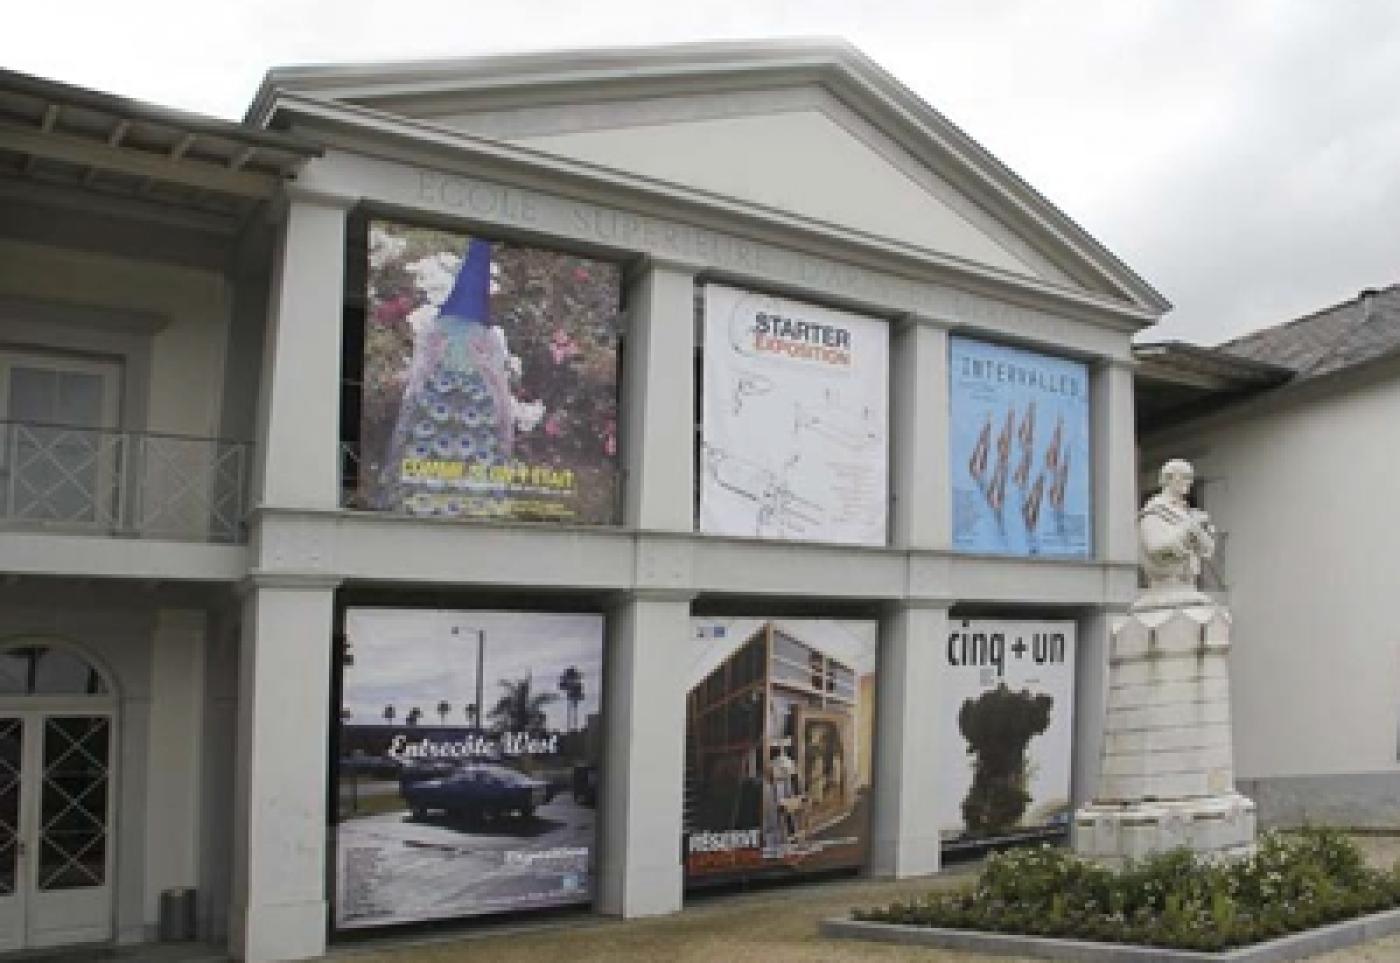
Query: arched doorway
x,y
57,757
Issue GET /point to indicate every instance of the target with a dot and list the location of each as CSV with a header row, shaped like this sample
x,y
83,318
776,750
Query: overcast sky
x,y
1242,155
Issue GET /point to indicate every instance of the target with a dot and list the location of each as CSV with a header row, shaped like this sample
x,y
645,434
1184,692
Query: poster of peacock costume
x,y
490,379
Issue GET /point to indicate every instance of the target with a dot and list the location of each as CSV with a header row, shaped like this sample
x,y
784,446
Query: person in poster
x,y
1019,426
1007,699
490,380
795,423
779,742
469,750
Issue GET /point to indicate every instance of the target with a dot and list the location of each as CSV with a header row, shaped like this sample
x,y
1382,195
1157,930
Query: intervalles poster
x,y
779,734
1019,425
468,763
490,380
795,426
1004,742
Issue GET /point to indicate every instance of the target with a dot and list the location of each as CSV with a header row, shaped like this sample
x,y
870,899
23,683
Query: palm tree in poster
x,y
389,714
443,708
414,715
571,684
519,709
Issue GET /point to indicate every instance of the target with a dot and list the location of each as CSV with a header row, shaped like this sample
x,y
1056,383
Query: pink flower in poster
x,y
393,310
610,439
562,346
553,426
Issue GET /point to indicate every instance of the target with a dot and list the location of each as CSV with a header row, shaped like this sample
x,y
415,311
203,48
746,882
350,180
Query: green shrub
x,y
1175,899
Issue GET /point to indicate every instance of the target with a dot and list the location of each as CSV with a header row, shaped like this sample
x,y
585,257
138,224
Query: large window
x,y
59,456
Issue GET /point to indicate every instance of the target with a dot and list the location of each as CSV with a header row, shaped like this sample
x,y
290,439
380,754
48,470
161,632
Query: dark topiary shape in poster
x,y
998,725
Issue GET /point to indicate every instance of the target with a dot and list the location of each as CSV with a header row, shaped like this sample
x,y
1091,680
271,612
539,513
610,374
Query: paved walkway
x,y
776,925
768,926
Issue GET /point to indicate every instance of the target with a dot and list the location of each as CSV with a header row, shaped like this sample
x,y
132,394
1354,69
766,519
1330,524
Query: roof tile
x,y
1342,336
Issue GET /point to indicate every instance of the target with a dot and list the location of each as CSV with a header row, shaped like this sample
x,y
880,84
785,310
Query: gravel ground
x,y
773,926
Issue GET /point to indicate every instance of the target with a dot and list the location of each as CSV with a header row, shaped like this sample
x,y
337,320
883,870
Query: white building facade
x,y
1296,469
185,301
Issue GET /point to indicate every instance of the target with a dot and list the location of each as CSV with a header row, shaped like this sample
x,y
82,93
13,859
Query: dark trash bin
x,y
177,914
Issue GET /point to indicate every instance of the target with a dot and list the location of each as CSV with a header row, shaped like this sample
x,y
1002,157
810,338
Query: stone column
x,y
640,796
920,510
298,447
1094,633
175,756
904,831
658,401
278,906
1115,466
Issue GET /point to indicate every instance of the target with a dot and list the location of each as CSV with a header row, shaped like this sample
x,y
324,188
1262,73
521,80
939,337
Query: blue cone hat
x,y
471,292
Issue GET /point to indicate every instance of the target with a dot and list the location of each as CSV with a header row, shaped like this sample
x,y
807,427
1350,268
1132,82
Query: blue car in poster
x,y
475,791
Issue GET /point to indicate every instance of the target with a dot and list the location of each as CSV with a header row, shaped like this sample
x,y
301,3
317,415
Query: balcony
x,y
94,481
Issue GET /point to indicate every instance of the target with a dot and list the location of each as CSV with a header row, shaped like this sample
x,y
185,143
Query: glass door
x,y
55,829
70,900
12,848
59,459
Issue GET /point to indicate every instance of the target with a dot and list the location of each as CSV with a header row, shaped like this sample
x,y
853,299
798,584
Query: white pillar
x,y
298,445
278,909
905,839
175,755
640,871
658,401
921,510
1092,640
1115,463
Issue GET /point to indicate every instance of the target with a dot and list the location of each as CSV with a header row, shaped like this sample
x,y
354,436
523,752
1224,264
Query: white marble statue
x,y
1166,774
1174,539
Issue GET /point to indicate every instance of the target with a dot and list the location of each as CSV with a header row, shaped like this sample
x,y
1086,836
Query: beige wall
x,y
1307,496
189,311
801,161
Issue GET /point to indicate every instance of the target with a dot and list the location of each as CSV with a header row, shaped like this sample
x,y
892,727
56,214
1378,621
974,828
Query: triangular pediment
x,y
809,132
801,162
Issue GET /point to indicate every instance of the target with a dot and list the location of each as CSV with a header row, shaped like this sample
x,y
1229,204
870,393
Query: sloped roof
x,y
1345,335
56,135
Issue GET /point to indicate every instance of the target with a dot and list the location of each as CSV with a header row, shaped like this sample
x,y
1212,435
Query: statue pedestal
x,y
1167,778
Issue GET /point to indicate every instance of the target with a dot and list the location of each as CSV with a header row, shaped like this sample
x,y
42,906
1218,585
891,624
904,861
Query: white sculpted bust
x,y
1173,538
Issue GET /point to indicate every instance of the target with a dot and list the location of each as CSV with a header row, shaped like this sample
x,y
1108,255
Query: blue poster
x,y
1020,451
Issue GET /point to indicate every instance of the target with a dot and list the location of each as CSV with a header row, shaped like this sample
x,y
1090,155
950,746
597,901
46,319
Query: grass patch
x,y
373,804
1292,882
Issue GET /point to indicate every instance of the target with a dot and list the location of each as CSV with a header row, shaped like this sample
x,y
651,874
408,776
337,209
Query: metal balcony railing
x,y
114,482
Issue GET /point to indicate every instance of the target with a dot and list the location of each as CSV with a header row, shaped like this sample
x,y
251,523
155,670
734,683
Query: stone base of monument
x,y
1115,834
1167,775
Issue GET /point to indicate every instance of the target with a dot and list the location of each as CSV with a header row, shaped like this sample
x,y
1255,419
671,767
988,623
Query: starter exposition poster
x,y
779,728
448,810
795,422
1007,728
1020,451
490,379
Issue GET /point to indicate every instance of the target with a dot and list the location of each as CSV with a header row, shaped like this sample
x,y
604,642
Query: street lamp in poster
x,y
1004,743
1019,426
795,426
468,770
779,740
490,380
